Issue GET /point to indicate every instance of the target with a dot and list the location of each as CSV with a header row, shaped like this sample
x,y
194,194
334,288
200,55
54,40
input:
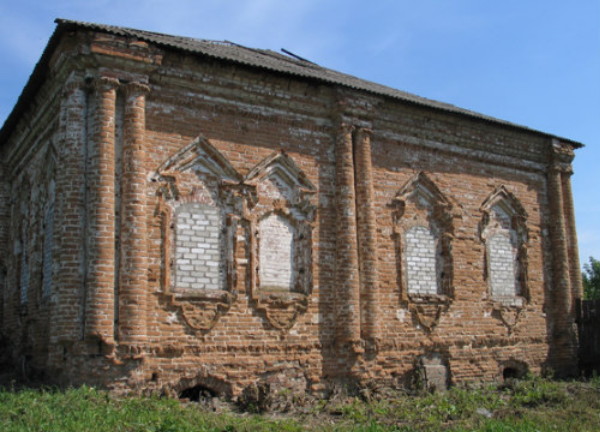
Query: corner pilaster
x,y
565,259
99,320
67,311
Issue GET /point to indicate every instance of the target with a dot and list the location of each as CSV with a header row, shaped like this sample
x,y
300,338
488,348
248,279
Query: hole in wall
x,y
197,393
514,370
511,373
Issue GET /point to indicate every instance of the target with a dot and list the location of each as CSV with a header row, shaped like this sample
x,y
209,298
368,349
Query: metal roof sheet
x,y
257,58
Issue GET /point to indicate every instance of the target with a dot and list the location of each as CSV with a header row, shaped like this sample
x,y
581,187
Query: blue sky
x,y
532,62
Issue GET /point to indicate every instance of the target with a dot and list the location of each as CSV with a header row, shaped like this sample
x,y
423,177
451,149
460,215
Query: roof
x,y
232,52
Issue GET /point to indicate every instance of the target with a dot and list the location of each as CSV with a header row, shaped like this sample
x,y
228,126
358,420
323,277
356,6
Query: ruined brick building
x,y
178,212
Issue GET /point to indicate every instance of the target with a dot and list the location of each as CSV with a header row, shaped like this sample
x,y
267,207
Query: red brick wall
x,y
350,318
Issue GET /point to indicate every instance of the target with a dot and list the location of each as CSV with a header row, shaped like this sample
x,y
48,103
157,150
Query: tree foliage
x,y
591,280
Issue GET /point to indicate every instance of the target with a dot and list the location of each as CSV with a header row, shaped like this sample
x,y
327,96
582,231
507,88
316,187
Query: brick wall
x,y
4,246
189,187
4,213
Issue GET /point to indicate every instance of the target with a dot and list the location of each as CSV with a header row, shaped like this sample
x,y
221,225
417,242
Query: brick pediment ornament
x,y
289,186
281,211
423,212
502,199
199,200
200,155
280,164
425,193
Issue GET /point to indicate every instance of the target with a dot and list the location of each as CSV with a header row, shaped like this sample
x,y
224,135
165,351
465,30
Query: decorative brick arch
x,y
205,380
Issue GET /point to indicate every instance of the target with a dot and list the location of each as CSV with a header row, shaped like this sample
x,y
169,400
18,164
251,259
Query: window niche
x,y
423,227
19,266
503,230
48,244
47,210
198,207
23,266
281,215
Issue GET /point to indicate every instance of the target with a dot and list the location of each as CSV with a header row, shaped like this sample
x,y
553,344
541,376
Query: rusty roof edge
x,y
38,75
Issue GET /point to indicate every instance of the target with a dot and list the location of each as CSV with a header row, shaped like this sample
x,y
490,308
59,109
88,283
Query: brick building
x,y
178,212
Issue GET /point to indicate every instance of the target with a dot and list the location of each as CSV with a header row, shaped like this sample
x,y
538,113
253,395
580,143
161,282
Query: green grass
x,y
87,409
533,404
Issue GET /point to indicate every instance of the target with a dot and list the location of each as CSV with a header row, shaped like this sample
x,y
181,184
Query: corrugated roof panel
x,y
258,58
271,60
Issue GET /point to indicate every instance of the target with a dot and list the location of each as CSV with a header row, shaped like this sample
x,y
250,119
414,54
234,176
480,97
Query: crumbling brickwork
x,y
178,213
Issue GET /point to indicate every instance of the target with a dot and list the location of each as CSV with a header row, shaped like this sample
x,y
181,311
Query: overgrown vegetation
x,y
532,404
591,280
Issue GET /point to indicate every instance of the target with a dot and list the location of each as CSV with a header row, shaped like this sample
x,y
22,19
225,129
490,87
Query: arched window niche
x,y
48,245
199,207
503,230
281,213
423,226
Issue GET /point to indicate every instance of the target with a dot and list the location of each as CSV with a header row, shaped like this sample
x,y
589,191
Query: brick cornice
x,y
104,83
136,88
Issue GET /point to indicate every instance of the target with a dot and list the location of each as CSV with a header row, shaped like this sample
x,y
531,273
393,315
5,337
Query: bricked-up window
x,y
502,265
281,238
504,233
421,261
24,265
502,254
424,232
47,265
276,253
199,263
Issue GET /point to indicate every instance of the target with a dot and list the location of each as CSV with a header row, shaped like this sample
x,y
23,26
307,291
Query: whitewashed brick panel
x,y
502,265
276,253
199,262
421,263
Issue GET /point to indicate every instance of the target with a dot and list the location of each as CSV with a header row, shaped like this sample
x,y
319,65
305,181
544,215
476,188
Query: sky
x,y
534,62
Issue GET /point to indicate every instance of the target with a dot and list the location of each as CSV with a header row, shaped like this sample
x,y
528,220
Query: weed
x,y
531,404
